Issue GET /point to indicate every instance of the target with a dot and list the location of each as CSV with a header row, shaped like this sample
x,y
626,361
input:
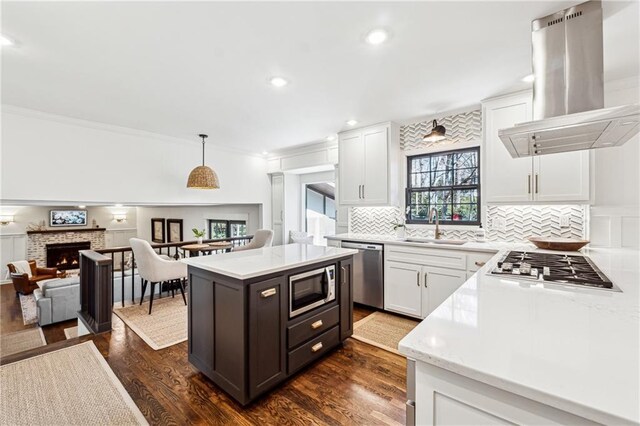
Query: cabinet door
x,y
351,166
506,179
562,177
439,285
346,299
277,208
402,288
376,184
267,345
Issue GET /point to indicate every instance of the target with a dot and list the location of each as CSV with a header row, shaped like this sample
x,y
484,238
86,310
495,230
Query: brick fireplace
x,y
65,256
39,243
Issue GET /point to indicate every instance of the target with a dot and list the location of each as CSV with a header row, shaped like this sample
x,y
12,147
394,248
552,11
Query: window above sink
x,y
447,181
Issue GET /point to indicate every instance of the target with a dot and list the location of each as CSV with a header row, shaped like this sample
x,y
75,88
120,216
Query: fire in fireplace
x,y
65,255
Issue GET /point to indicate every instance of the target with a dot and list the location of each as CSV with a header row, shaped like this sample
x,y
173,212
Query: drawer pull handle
x,y
316,324
316,347
268,293
480,264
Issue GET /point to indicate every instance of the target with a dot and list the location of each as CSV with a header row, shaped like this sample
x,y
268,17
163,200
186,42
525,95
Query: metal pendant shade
x,y
203,177
437,133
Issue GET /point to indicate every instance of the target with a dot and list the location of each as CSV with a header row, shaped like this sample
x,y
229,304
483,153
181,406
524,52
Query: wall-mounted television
x,y
68,218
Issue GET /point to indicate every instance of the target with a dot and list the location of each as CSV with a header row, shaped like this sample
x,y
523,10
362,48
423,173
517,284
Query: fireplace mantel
x,y
58,231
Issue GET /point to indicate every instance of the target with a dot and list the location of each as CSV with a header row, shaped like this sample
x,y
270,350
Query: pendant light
x,y
203,177
437,133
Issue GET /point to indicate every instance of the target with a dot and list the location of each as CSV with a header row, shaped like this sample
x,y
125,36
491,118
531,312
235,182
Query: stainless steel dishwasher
x,y
368,282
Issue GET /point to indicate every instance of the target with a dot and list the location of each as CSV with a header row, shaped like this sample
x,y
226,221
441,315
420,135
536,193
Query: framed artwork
x,y
174,230
68,218
157,230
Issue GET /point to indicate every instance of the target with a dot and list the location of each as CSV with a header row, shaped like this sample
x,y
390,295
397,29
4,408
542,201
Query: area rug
x,y
383,330
71,332
20,341
70,386
166,326
29,309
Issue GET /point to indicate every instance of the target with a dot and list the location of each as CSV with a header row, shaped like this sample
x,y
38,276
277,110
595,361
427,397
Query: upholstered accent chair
x,y
157,270
262,238
25,275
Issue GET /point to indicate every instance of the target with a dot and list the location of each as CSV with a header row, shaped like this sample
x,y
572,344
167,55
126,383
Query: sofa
x,y
58,300
26,283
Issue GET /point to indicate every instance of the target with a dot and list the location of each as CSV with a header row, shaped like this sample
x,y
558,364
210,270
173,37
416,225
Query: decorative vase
x,y
199,240
400,232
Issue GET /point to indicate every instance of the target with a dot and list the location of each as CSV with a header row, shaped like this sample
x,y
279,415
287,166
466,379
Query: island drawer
x,y
312,326
313,349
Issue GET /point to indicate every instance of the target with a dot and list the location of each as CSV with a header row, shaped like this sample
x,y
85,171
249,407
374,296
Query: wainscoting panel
x,y
12,247
615,227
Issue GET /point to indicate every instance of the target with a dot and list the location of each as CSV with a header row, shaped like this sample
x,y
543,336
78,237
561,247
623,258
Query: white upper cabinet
x,y
547,178
368,166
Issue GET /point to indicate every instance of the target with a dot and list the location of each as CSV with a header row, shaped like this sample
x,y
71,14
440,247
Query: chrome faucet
x,y
433,210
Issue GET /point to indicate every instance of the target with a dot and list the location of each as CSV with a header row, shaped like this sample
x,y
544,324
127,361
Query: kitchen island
x,y
256,317
502,350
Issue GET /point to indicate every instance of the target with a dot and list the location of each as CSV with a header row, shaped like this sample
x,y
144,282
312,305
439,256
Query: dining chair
x,y
155,270
262,238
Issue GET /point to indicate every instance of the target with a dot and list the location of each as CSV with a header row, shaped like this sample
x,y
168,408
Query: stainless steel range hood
x,y
568,90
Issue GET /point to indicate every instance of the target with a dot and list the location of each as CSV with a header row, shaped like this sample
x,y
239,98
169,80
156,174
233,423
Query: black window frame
x,y
228,224
409,190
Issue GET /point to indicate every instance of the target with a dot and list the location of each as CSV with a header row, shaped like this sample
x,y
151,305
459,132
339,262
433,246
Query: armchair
x,y
25,275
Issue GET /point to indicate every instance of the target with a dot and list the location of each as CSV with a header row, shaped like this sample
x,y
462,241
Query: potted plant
x,y
198,234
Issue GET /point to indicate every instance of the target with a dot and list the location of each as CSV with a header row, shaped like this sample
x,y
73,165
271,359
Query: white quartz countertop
x,y
571,348
485,246
257,262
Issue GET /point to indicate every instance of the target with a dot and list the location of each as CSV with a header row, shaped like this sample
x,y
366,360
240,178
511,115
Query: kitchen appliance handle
x,y
325,284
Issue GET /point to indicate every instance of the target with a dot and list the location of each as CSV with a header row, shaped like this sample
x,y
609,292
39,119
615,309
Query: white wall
x,y
52,158
615,213
197,217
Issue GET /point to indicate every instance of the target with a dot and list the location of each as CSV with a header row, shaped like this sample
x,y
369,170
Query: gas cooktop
x,y
575,270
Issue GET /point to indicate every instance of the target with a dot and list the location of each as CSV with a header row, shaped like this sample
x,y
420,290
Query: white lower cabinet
x,y
417,280
445,398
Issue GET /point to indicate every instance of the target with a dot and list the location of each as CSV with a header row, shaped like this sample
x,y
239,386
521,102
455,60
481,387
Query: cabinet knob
x,y
479,264
268,293
316,324
316,347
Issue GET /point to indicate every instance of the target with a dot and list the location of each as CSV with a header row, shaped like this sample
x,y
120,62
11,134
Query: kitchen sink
x,y
434,241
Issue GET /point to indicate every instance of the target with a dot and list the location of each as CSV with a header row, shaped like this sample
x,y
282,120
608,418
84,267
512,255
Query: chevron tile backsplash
x,y
505,223
464,127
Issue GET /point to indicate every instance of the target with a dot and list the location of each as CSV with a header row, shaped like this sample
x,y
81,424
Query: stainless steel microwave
x,y
311,289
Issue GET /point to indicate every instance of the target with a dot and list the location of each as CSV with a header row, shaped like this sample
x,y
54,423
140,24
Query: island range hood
x,y
568,89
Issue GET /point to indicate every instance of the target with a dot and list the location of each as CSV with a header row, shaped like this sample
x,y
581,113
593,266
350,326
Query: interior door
x,y
402,282
351,155
439,284
277,208
375,189
506,179
561,177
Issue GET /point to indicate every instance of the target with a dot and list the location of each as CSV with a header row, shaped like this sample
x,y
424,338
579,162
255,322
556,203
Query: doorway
x,y
320,211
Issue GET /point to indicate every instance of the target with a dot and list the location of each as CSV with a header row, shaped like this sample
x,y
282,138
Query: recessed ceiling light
x,y
352,122
528,79
278,81
377,36
331,138
6,41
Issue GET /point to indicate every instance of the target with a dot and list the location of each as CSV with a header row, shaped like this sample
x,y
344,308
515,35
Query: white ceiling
x,y
180,69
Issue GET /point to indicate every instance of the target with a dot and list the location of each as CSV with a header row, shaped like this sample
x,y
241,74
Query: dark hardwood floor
x,y
356,384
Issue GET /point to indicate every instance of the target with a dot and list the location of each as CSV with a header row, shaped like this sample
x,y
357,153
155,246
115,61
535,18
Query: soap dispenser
x,y
480,233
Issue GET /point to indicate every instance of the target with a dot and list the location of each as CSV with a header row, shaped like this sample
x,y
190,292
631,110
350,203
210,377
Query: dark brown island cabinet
x,y
241,333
